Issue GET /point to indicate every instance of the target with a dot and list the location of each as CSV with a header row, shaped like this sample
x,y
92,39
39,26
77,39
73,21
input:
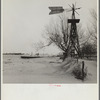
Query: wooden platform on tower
x,y
73,20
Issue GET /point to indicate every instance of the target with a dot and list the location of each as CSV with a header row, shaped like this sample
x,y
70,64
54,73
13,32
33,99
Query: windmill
x,y
73,38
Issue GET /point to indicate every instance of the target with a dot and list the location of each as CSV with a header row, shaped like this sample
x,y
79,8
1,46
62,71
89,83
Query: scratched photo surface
x,y
50,41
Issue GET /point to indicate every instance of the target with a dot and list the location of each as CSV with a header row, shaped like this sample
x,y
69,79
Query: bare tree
x,y
58,33
93,29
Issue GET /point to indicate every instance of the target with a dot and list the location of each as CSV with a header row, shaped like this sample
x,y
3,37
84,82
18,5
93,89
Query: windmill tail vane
x,y
56,10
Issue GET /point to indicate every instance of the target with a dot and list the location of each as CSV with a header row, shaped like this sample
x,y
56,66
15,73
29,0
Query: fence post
x,y
83,70
77,59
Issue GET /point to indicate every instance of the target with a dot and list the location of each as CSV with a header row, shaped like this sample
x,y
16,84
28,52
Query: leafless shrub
x,y
77,72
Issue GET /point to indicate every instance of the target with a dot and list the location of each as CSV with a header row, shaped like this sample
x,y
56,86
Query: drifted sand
x,y
42,70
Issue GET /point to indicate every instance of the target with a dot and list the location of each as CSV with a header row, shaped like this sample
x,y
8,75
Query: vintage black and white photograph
x,y
50,41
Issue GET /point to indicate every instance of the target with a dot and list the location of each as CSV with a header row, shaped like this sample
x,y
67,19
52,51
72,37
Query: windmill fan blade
x,y
78,8
69,5
67,10
77,12
75,4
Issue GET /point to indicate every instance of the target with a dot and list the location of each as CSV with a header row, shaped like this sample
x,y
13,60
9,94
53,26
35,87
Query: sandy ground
x,y
42,70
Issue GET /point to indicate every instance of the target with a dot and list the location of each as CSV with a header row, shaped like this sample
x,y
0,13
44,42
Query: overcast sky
x,y
24,21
